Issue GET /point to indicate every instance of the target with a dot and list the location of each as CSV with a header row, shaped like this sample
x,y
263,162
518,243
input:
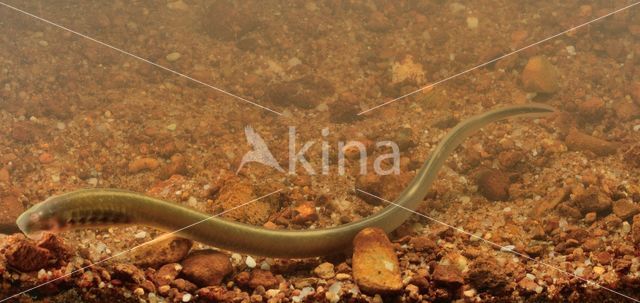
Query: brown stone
x,y
579,141
493,184
23,255
540,76
447,274
45,158
375,264
305,212
184,285
325,271
626,110
163,250
141,164
55,245
486,275
128,272
262,278
625,209
206,267
592,200
213,294
592,108
423,243
167,273
549,203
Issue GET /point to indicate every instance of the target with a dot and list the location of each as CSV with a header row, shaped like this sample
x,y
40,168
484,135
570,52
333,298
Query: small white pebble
x,y
141,235
250,261
173,56
60,125
172,127
636,128
265,266
43,43
571,50
186,297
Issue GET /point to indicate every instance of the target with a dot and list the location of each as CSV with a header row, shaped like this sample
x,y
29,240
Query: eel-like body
x,y
106,207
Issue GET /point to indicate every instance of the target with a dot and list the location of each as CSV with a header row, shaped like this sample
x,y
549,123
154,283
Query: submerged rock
x,y
540,76
206,267
164,250
375,265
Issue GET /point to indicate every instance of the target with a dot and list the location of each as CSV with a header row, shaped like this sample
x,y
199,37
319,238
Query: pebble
x,y
592,200
250,261
375,264
493,184
626,110
540,76
172,127
448,275
579,141
262,278
45,158
140,235
24,255
305,212
592,108
141,164
128,272
167,273
173,56
206,267
164,250
325,270
625,209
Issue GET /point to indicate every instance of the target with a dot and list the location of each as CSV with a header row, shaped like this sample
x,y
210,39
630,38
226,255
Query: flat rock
x,y
447,274
592,200
375,265
24,255
493,184
167,273
549,203
164,250
579,141
128,272
206,267
540,76
262,278
625,209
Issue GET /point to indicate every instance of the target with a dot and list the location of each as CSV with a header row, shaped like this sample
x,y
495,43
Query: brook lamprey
x,y
107,207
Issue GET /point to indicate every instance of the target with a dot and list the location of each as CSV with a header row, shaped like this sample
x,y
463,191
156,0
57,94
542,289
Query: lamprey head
x,y
38,219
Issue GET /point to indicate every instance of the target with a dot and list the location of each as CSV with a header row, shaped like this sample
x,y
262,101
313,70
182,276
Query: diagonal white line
x,y
139,245
140,58
502,248
499,58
